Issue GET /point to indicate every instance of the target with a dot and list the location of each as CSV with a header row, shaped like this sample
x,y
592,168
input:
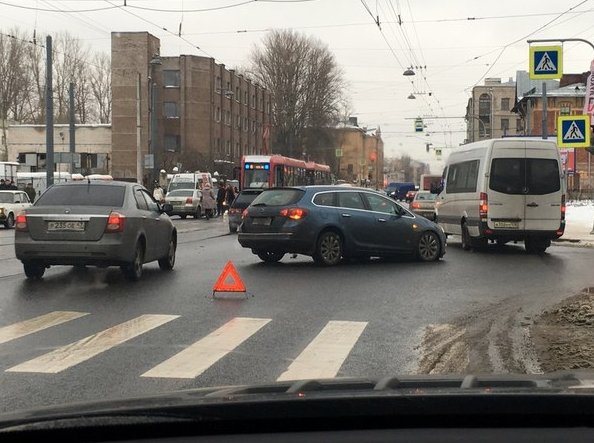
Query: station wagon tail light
x,y
115,222
483,205
21,222
293,213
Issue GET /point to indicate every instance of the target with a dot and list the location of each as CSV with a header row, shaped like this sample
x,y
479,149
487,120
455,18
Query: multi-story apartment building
x,y
194,112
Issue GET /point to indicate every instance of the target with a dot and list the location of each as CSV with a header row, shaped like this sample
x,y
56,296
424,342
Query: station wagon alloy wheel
x,y
428,249
329,249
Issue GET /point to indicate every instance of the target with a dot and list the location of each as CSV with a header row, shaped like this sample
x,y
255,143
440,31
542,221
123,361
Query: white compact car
x,y
11,203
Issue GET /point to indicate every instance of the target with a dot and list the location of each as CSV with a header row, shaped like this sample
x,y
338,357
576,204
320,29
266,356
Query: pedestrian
x,y
220,198
208,200
12,186
2,185
158,193
230,195
30,190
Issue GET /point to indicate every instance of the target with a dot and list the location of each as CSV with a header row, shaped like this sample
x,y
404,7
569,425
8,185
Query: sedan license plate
x,y
506,225
66,226
262,221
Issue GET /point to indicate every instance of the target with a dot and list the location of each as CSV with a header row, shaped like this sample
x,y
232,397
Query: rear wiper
x,y
260,204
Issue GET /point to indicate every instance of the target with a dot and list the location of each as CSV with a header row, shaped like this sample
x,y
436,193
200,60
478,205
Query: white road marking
x,y
324,356
26,327
198,357
82,350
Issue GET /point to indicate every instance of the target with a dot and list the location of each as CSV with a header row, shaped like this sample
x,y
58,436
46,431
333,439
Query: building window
x,y
217,114
245,124
228,87
237,94
170,110
238,121
236,153
505,104
565,108
245,96
218,145
218,85
268,108
519,125
505,125
245,150
172,143
171,78
227,118
228,147
253,100
253,126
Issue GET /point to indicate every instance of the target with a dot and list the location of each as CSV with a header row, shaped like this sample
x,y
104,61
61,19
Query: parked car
x,y
185,202
11,203
242,201
423,204
506,189
98,224
329,223
410,195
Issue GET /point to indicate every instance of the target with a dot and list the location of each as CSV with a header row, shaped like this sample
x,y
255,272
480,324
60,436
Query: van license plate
x,y
506,225
66,226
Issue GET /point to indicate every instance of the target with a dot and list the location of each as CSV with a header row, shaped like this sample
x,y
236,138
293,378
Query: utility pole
x,y
138,145
545,129
71,126
49,114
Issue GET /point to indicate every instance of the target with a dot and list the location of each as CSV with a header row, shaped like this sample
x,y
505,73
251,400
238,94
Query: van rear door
x,y
543,187
506,184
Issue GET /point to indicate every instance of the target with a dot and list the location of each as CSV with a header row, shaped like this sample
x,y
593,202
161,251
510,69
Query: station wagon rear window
x,y
278,197
83,195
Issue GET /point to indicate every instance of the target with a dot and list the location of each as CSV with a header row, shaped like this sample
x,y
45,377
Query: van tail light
x,y
21,222
115,222
563,207
189,201
415,205
294,213
483,205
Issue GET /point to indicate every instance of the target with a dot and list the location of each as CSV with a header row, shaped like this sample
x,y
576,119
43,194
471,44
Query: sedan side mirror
x,y
166,207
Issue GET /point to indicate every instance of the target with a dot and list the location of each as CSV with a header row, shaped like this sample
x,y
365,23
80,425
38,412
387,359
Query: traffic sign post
x,y
573,131
546,62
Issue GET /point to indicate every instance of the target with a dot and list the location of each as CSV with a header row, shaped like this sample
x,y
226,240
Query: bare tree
x,y
306,84
12,80
101,86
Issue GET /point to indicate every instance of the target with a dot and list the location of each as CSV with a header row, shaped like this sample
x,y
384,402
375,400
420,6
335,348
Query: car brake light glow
x,y
115,222
483,205
293,213
21,222
415,205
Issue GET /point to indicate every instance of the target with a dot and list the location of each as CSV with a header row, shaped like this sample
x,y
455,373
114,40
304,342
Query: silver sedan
x,y
98,224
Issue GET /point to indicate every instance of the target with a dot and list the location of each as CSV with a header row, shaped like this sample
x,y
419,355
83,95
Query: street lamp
x,y
155,61
411,96
408,72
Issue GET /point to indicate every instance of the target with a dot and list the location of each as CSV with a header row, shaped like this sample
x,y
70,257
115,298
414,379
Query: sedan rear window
x,y
83,195
278,197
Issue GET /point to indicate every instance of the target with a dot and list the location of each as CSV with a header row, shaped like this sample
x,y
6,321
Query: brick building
x,y
194,112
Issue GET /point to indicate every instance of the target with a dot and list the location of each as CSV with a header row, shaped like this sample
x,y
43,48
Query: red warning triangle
x,y
236,284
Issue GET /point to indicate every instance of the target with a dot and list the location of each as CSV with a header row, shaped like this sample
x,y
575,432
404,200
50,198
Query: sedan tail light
x,y
294,213
189,201
415,205
21,222
115,222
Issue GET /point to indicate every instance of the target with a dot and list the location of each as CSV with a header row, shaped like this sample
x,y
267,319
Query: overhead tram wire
x,y
88,22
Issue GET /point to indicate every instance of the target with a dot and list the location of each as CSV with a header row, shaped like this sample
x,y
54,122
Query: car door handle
x,y
381,220
346,215
532,205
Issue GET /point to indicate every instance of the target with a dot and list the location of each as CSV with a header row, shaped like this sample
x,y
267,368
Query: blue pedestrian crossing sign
x,y
546,62
573,131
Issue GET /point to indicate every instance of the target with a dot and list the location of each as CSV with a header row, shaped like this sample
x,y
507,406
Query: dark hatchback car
x,y
95,223
242,201
328,224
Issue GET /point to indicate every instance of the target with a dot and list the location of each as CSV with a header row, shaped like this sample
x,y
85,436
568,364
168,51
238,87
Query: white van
x,y
509,189
189,180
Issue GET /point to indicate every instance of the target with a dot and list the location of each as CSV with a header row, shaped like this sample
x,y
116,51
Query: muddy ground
x,y
510,338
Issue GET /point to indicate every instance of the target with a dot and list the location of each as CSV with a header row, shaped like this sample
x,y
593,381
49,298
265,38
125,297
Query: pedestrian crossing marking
x,y
324,356
88,347
198,357
573,133
26,327
546,64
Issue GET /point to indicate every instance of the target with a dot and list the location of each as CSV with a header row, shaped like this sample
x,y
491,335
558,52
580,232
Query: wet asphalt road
x,y
388,305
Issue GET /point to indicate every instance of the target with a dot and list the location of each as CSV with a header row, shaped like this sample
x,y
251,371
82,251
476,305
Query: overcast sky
x,y
435,34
